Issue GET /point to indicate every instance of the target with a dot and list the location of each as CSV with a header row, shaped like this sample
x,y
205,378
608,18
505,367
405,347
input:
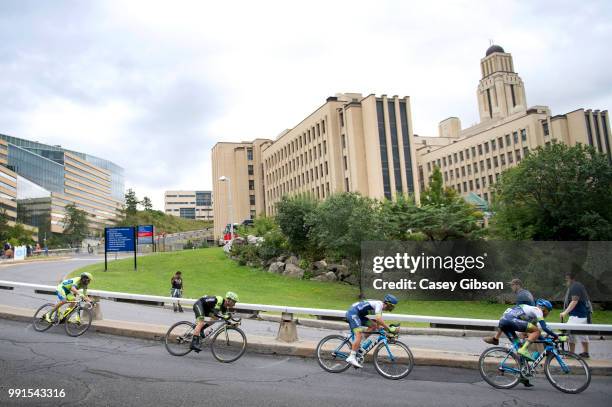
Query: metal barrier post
x,y
97,310
287,331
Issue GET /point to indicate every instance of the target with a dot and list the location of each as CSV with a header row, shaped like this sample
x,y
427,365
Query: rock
x,y
319,265
291,270
352,280
293,260
282,258
329,276
251,239
342,272
277,267
252,264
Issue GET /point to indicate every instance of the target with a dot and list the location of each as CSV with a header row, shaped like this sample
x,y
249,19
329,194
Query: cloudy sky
x,y
154,85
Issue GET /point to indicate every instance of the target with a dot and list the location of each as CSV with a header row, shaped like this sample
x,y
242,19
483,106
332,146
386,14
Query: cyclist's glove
x,y
562,338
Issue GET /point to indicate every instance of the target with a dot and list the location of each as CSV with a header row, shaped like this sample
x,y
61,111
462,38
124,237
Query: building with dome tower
x,y
472,159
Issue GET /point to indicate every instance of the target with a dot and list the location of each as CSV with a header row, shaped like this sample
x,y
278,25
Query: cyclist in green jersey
x,y
68,290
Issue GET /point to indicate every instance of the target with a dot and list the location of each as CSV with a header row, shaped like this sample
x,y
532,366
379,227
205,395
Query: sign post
x,y
119,239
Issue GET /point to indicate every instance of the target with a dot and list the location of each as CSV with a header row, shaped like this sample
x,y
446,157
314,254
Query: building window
x,y
341,115
484,182
461,155
495,162
477,181
346,184
507,140
488,163
502,159
493,145
469,169
463,171
481,165
525,151
517,154
384,159
323,125
250,169
486,147
252,199
455,158
343,141
475,168
500,141
545,128
429,167
524,133
510,158
445,176
250,154
467,153
444,161
471,185
486,196
515,137
251,185
479,149
326,168
464,186
473,151
324,147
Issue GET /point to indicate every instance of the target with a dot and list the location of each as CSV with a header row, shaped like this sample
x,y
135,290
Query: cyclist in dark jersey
x,y
211,306
357,317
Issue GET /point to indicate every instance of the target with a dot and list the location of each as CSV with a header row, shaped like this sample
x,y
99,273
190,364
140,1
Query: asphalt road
x,y
101,370
50,272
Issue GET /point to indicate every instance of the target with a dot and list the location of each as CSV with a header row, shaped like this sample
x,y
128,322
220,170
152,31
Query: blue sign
x,y
145,234
120,239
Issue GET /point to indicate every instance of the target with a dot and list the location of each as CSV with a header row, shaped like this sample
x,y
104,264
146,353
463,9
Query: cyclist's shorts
x,y
63,296
513,324
357,323
201,312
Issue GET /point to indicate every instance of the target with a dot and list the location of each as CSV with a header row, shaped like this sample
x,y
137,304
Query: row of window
x,y
319,192
483,148
308,156
292,166
294,145
307,176
495,162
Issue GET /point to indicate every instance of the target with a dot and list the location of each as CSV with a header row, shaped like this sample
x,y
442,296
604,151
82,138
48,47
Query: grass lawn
x,y
209,271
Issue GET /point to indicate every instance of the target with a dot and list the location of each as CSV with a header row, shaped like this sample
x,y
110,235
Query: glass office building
x,y
92,184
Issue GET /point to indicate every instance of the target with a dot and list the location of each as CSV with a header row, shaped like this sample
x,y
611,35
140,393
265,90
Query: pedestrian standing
x,y
577,306
177,290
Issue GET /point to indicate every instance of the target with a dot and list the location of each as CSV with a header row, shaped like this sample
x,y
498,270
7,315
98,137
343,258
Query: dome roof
x,y
494,48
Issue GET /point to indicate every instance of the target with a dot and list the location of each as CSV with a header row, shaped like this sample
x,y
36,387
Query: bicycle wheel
x,y
567,372
178,338
393,360
499,367
38,321
332,352
228,344
78,321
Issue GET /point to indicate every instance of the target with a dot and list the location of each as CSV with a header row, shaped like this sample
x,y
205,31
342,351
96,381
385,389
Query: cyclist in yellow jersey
x,y
67,290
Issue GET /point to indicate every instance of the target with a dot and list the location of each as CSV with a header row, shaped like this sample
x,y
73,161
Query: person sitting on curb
x,y
214,307
359,322
523,296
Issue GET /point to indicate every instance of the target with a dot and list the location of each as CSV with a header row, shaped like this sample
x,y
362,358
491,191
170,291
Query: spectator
x,y
523,296
177,290
578,306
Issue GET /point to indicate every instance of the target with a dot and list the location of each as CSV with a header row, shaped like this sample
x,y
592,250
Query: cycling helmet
x,y
87,276
230,295
391,299
544,303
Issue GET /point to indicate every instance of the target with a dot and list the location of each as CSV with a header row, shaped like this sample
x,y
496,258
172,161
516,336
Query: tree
x,y
435,194
4,227
292,216
131,202
146,203
558,192
76,225
340,224
396,218
457,220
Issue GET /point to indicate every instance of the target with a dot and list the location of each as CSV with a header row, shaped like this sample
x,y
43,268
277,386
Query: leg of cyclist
x,y
198,310
533,333
358,326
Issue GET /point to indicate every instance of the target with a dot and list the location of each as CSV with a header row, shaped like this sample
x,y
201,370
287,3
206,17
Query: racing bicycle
x,y
227,341
392,358
503,368
75,315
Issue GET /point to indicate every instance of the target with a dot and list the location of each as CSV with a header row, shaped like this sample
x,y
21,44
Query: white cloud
x,y
153,85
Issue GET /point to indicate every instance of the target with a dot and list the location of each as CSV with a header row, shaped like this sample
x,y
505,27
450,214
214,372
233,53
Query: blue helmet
x,y
391,299
544,303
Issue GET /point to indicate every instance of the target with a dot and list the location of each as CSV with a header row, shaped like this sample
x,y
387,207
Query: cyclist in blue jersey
x,y
359,323
528,319
67,290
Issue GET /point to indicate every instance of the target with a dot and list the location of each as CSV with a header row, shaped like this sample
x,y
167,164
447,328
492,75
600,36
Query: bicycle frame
x,y
532,365
382,337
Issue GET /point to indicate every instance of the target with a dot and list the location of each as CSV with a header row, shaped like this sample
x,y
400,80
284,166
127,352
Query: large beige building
x,y
350,143
472,159
196,205
240,196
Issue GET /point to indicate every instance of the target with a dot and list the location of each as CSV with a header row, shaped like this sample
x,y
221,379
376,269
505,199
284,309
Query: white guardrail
x,y
312,311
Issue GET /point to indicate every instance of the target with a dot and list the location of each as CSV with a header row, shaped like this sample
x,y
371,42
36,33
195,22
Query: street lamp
x,y
229,187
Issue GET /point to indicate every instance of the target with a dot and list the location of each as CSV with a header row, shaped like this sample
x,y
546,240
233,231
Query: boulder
x,y
342,272
277,267
252,239
319,265
328,276
352,280
293,260
282,258
291,270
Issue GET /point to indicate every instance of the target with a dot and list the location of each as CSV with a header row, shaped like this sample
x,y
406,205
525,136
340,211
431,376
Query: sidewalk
x,y
269,345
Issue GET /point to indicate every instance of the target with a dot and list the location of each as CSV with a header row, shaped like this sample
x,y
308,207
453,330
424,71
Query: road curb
x,y
271,346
